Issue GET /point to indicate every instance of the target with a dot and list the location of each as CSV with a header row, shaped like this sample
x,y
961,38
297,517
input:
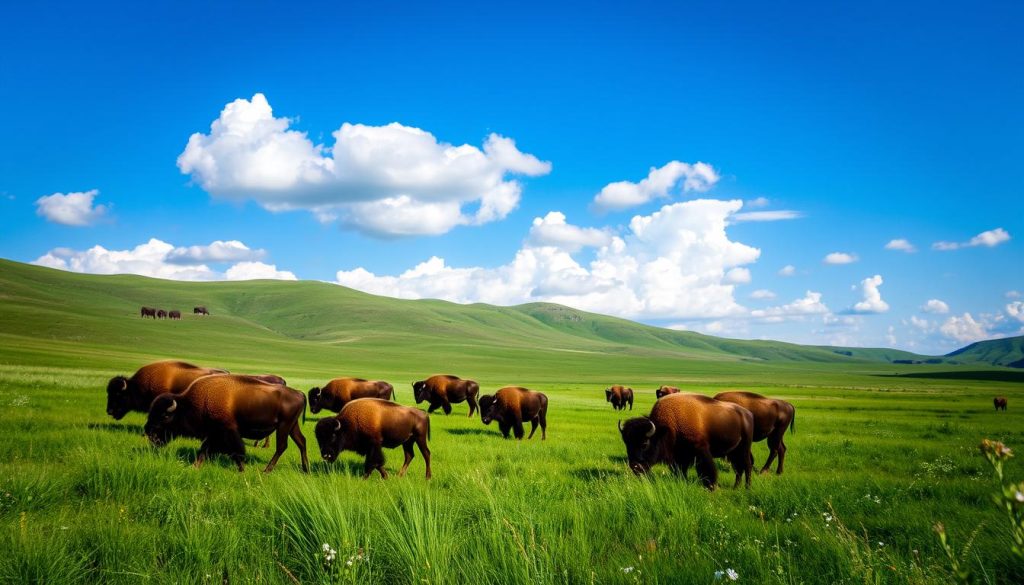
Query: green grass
x,y
84,498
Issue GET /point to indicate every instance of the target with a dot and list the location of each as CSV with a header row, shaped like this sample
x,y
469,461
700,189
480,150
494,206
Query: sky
x,y
789,170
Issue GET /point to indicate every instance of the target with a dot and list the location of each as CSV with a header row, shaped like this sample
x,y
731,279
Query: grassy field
x,y
881,452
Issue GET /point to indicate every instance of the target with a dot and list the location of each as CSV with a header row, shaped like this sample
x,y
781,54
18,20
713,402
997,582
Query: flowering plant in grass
x,y
1010,498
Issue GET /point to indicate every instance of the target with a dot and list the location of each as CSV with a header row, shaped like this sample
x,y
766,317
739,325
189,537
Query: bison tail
x,y
792,422
304,402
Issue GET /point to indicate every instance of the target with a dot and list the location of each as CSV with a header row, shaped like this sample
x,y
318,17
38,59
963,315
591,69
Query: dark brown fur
x,y
619,396
147,312
340,391
772,418
161,314
443,391
999,402
512,405
367,426
684,428
665,391
137,393
223,410
174,315
200,311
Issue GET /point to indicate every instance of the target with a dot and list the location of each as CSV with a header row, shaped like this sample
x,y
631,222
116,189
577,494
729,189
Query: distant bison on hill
x,y
147,312
619,396
772,418
340,391
999,402
665,391
174,315
200,311
367,425
442,391
161,314
512,405
137,393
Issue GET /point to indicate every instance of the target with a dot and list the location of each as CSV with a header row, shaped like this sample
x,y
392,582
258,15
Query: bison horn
x,y
620,425
124,384
337,425
650,433
314,392
173,406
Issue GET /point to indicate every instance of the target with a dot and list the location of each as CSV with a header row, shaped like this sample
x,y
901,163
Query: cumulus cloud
x,y
935,306
757,202
552,230
919,323
74,209
989,239
738,275
901,245
778,215
810,304
218,251
660,183
154,258
964,329
872,298
674,263
787,270
1016,310
762,293
840,258
388,181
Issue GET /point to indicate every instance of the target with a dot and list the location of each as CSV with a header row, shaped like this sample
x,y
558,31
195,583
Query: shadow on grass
x,y
116,427
350,467
985,375
593,474
471,432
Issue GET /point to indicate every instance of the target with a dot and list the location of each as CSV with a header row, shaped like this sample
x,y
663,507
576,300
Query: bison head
x,y
330,438
420,392
119,398
638,435
488,408
314,400
162,423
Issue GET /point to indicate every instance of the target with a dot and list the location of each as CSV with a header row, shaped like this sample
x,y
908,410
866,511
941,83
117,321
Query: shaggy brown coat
x,y
772,418
442,391
367,426
340,391
619,396
137,393
512,405
665,391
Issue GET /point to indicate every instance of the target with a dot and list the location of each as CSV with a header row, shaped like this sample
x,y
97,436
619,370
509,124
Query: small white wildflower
x,y
628,570
1019,496
732,575
348,563
719,575
881,544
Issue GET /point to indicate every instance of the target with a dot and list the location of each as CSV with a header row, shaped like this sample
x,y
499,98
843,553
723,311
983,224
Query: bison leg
x,y
706,470
233,446
471,399
204,450
432,408
282,444
409,454
504,427
421,442
374,460
782,456
542,417
517,427
533,427
446,406
300,442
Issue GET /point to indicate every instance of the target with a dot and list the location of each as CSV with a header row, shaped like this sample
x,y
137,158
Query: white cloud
x,y
902,245
872,298
890,336
787,270
919,323
75,209
737,276
685,177
1013,294
781,214
840,258
810,304
391,180
964,329
757,202
1016,310
150,259
552,230
762,293
989,239
218,251
672,263
935,306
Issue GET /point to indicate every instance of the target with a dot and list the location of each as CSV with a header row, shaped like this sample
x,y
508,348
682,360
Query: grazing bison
x,y
619,396
223,410
174,315
200,311
771,420
269,379
512,405
161,314
340,391
367,425
137,393
443,391
147,312
683,428
999,402
665,391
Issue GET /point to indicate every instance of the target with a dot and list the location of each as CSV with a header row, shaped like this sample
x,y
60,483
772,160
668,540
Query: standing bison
x,y
771,420
137,393
200,311
664,391
223,410
174,315
147,312
161,314
512,405
999,402
619,396
367,425
340,391
683,428
443,391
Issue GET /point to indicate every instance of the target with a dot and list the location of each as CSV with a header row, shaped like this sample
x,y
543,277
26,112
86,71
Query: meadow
x,y
880,454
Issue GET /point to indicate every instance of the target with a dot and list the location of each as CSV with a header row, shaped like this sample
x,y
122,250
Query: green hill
x,y
997,352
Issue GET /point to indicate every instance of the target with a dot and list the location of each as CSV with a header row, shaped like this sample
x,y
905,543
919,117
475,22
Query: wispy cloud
x,y
988,239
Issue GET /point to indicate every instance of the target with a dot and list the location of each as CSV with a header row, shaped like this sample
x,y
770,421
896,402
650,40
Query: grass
x,y
876,460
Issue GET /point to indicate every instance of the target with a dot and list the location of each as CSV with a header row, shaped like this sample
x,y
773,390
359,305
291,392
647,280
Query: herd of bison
x,y
223,410
172,314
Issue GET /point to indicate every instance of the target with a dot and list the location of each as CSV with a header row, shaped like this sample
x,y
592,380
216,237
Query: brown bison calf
x,y
444,391
367,425
512,405
137,393
223,410
772,418
999,402
683,428
619,396
665,391
340,391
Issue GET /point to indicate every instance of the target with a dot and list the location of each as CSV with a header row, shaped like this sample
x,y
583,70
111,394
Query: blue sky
x,y
865,123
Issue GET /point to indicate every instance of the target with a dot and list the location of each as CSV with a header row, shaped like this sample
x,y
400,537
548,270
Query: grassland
x,y
881,451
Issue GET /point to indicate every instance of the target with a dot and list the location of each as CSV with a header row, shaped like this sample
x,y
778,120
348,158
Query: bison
x,y
200,311
269,379
367,425
683,428
174,315
664,391
147,312
512,405
619,396
340,391
161,314
223,410
137,393
443,391
771,420
999,402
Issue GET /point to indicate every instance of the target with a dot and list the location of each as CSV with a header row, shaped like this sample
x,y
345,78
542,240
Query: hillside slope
x,y
997,352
